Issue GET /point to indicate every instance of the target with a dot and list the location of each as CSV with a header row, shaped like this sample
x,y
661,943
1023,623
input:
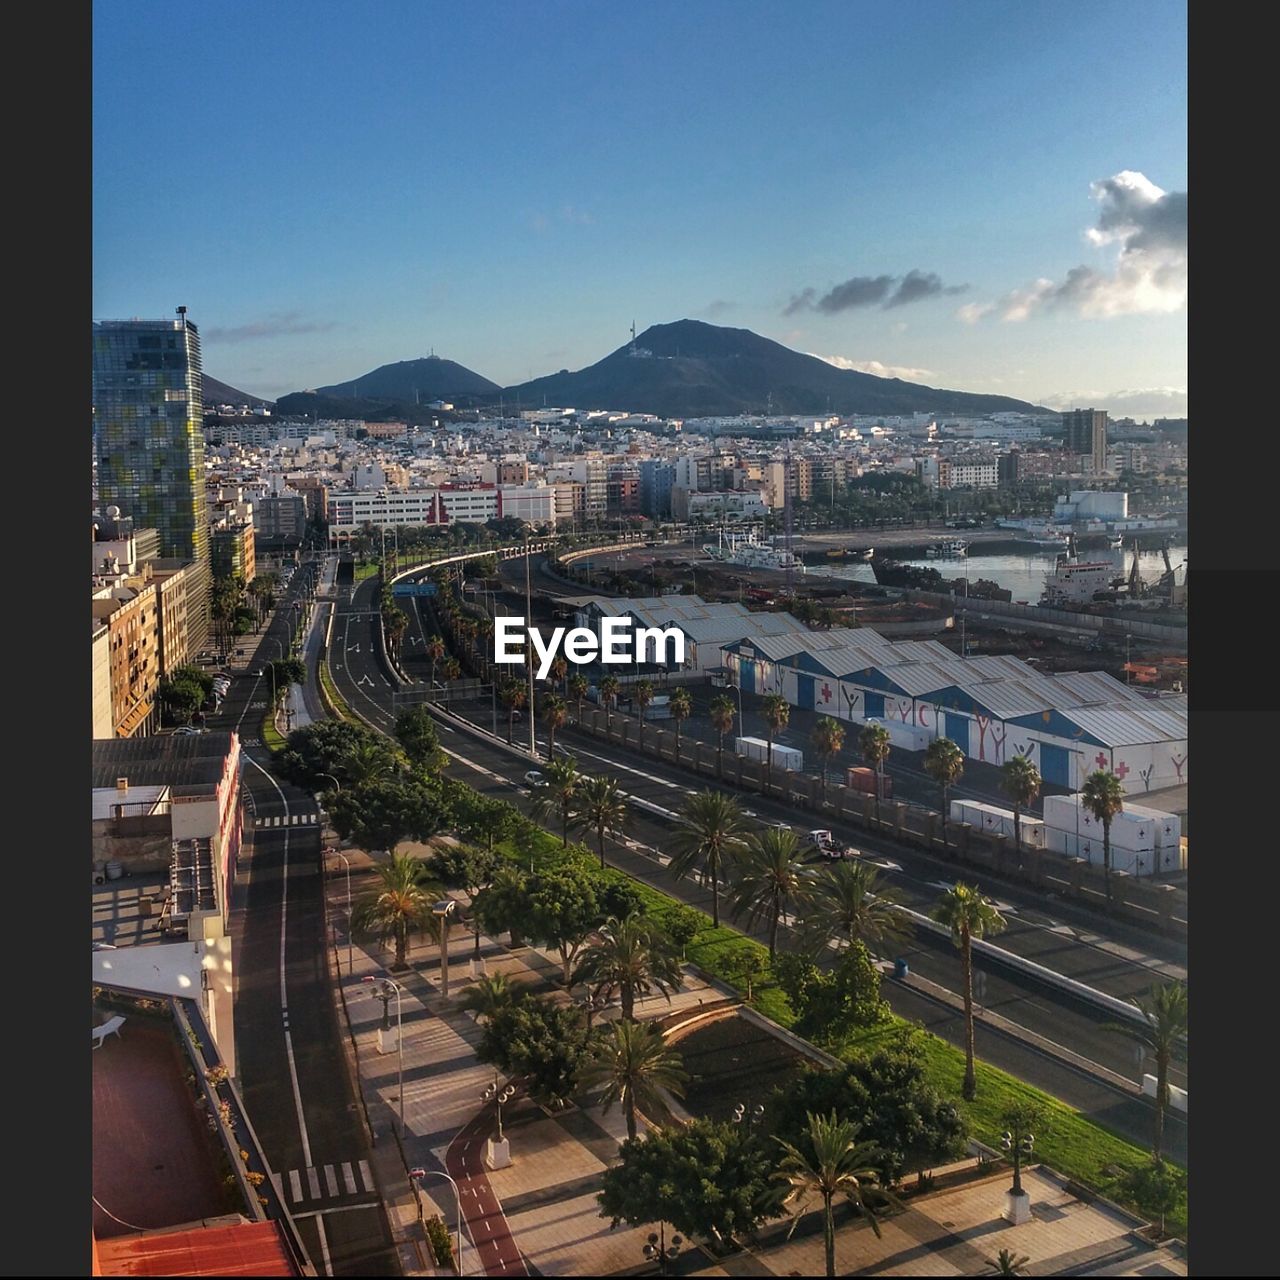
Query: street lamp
x,y
498,1149
337,853
756,1115
442,910
416,1176
1019,1143
657,1250
388,986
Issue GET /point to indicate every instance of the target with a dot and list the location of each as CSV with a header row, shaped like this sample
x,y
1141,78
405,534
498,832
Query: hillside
x,y
415,381
215,392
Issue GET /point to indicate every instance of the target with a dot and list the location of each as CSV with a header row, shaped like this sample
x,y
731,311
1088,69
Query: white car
x,y
534,779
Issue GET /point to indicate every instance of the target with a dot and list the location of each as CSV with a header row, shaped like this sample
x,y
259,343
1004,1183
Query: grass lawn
x,y
365,569
330,691
272,739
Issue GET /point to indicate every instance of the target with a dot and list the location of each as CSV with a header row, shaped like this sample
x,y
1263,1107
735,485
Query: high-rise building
x,y
1086,432
148,430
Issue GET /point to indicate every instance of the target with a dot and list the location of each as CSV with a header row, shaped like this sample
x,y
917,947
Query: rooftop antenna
x,y
633,337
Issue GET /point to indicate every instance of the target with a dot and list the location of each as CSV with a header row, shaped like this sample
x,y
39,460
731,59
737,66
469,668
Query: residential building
x,y
103,722
1085,432
148,431
129,614
232,547
656,479
280,521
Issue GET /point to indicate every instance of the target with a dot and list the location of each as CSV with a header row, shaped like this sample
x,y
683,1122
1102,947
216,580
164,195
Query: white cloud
x,y
1138,402
972,312
906,372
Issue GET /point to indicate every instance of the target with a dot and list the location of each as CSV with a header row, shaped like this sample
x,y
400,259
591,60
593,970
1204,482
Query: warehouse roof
x,y
173,759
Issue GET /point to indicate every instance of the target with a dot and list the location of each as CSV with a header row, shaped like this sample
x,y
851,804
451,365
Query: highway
x,y
1044,932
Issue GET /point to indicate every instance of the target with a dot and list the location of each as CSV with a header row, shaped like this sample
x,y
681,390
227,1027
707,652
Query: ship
x,y
1076,581
895,573
945,550
746,551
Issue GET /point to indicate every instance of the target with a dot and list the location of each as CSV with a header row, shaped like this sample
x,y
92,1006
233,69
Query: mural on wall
x,y
1178,762
852,701
825,693
927,715
903,708
1145,775
999,731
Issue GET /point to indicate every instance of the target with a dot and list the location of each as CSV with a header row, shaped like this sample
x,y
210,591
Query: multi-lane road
x,y
1052,933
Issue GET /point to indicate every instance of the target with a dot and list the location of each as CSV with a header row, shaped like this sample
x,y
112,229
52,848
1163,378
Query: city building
x,y
1085,432
656,480
280,520
231,550
129,612
149,440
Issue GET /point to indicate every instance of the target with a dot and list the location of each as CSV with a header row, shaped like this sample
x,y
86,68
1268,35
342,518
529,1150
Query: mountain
x,y
692,369
415,381
215,392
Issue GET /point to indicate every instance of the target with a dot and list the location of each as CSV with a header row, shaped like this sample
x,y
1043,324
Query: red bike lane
x,y
486,1223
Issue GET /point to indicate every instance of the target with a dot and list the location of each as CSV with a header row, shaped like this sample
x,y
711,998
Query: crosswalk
x,y
288,820
325,1182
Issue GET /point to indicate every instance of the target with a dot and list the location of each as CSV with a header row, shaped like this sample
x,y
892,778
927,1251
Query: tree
x,y
768,876
744,966
396,622
832,1003
399,906
1008,1263
512,695
610,687
873,744
371,760
829,1161
451,668
560,794
711,829
641,695
682,925
600,807
722,713
944,763
319,749
828,740
1164,1012
707,1178
560,671
776,711
381,813
632,957
182,692
477,816
1021,782
491,995
1103,797
846,901
560,911
501,908
465,867
632,1062
1156,1188
578,686
416,733
435,651
681,709
555,713
968,915
542,1042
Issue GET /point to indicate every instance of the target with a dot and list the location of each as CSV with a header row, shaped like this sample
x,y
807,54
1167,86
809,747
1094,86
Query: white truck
x,y
829,847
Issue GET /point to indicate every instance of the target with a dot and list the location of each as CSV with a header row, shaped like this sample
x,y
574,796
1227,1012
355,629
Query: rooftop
x,y
177,760
236,1249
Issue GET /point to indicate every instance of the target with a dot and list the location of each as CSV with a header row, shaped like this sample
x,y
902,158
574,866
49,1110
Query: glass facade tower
x,y
148,417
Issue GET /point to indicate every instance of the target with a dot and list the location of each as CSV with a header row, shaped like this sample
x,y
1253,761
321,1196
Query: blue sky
x,y
333,187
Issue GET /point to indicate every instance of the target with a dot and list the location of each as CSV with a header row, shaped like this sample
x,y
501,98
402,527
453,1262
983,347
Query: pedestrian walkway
x,y
288,820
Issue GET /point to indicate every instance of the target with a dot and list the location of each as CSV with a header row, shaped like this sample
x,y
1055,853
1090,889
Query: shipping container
x,y
907,737
758,749
860,778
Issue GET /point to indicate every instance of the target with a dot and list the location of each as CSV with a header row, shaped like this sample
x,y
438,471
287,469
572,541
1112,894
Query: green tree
x,y
370,760
560,795
832,1003
578,686
1021,782
600,807
631,957
491,995
681,709
561,909
560,672
435,651
468,868
512,695
968,915
631,1060
320,749
776,711
182,692
944,763
707,1178
399,906
501,908
1156,1188
722,714
379,814
416,733
641,695
1008,1263
682,925
848,902
555,713
873,745
542,1042
1103,798
743,966
480,817
610,687
710,831
828,741
768,876
830,1161
1164,1013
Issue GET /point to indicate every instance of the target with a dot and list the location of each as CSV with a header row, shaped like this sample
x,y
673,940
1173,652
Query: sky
x,y
984,196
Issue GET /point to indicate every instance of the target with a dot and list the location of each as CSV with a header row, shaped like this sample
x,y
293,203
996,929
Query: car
x,y
534,779
776,826
257,672
186,731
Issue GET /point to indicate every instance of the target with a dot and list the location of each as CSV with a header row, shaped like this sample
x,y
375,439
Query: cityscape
x,y
582,784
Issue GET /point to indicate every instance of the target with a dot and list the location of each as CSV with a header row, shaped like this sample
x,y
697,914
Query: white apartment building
x,y
350,511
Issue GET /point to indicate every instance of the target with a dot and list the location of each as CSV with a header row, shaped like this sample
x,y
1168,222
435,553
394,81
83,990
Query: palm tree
x,y
642,695
968,915
1008,1263
610,687
873,744
452,668
1021,784
768,876
710,830
777,713
555,713
633,1063
681,709
828,740
722,713
846,901
366,761
833,1163
512,696
400,905
602,808
578,687
944,763
396,622
1103,797
490,995
559,671
558,796
632,957
435,651
1164,1010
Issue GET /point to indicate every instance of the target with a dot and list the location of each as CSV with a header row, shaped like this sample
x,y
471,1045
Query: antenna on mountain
x,y
633,337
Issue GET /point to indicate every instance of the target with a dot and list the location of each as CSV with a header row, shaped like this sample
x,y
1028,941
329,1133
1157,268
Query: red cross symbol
x,y
1121,770
826,693
1100,760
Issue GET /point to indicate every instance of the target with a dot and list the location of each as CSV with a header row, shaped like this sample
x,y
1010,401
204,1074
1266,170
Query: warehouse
x,y
992,707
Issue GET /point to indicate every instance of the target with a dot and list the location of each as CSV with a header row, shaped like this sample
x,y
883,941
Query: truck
x,y
829,847
758,749
860,778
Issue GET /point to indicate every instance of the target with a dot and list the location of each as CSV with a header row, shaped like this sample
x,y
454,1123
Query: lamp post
x,y
1019,1142
442,910
752,1118
657,1250
416,1176
337,853
388,986
498,1149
